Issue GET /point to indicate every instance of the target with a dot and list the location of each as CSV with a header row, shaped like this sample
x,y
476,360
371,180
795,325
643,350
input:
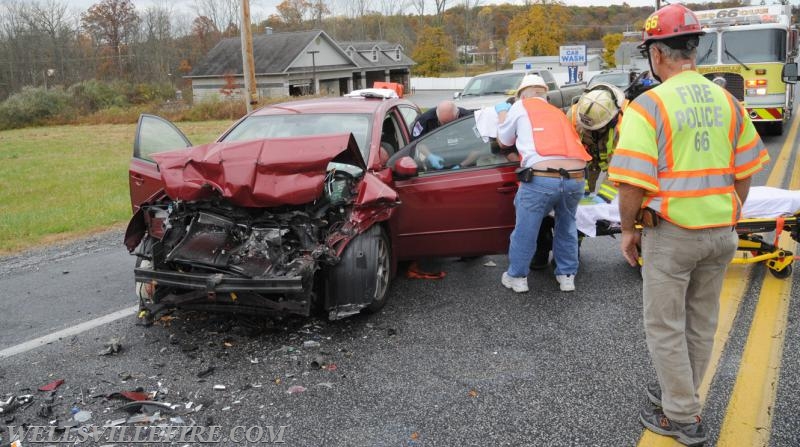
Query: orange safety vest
x,y
553,134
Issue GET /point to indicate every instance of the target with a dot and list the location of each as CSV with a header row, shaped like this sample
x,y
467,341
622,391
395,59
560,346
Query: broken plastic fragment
x,y
52,385
82,416
146,406
130,395
206,372
295,389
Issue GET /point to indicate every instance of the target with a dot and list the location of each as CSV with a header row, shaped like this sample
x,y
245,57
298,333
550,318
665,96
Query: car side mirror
x,y
789,73
405,167
456,95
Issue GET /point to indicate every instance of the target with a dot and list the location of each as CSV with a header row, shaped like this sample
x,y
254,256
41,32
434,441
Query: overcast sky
x,y
261,9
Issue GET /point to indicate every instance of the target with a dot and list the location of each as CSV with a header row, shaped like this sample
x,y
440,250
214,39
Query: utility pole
x,y
313,54
248,64
658,5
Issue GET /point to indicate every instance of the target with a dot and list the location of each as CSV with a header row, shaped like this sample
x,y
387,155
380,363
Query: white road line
x,y
74,330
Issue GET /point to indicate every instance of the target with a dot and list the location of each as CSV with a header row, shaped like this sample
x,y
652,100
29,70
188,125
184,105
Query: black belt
x,y
525,175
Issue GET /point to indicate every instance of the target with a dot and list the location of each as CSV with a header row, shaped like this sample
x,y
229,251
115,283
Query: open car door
x,y
466,207
153,134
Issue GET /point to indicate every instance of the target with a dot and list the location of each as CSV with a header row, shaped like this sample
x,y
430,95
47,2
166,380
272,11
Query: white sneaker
x,y
567,282
519,285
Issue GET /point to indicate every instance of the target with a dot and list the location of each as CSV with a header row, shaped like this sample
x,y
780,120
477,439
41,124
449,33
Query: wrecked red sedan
x,y
305,206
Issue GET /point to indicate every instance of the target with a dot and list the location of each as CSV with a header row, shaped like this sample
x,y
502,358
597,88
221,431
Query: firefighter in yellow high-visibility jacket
x,y
685,158
595,116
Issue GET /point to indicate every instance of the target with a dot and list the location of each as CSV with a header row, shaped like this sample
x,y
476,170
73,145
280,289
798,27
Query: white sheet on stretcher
x,y
762,201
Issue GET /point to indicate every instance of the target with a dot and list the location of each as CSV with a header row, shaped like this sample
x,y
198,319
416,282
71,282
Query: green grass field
x,y
62,182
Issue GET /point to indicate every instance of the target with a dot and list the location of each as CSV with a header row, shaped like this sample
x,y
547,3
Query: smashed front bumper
x,y
217,292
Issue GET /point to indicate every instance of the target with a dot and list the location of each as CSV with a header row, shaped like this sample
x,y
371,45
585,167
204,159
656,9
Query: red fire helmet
x,y
668,22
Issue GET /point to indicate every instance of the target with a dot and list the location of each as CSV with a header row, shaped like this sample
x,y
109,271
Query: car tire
x,y
363,274
144,291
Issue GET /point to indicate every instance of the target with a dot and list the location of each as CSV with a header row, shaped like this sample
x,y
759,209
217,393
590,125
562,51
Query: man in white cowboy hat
x,y
551,178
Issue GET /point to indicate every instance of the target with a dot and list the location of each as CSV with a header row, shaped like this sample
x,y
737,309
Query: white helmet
x,y
599,105
531,80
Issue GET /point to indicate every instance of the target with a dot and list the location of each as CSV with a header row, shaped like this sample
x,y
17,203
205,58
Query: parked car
x,y
621,78
307,205
488,89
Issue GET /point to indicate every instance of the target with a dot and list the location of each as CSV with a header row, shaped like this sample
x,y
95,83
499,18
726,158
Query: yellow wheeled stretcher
x,y
756,249
597,218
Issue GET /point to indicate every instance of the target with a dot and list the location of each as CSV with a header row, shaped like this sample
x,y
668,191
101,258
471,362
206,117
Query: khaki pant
x,y
683,272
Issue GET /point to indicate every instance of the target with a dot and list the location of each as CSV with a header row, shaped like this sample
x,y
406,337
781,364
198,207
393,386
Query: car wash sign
x,y
572,55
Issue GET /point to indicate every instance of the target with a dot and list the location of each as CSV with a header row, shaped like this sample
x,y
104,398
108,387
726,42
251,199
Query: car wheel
x,y
363,274
383,271
145,291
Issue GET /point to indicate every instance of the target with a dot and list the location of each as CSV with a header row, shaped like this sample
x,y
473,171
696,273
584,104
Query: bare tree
x,y
440,7
418,5
54,19
222,12
156,48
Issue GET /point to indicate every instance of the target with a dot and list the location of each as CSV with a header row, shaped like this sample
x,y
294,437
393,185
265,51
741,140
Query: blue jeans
x,y
535,200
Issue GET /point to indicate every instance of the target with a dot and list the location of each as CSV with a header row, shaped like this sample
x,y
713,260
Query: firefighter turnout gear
x,y
595,117
724,147
598,106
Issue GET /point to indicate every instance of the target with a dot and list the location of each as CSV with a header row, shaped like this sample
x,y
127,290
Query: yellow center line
x,y
748,418
733,290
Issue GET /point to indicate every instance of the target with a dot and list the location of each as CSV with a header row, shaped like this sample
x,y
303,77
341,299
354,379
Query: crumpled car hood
x,y
256,173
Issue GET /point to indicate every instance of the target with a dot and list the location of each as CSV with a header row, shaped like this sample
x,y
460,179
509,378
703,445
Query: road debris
x,y
146,406
130,395
296,389
112,347
14,402
219,387
82,416
489,264
206,372
52,385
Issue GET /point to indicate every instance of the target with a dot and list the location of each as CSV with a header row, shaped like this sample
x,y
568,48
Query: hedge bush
x,y
34,106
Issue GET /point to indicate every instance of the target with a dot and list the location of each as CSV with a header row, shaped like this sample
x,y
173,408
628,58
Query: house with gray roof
x,y
299,63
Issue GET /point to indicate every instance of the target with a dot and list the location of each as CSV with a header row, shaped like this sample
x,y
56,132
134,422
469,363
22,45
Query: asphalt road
x,y
458,361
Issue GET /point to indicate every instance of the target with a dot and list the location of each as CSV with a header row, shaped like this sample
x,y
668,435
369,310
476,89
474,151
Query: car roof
x,y
341,104
492,73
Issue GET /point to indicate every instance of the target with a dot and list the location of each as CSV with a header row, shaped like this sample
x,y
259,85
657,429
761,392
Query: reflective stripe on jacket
x,y
553,135
685,142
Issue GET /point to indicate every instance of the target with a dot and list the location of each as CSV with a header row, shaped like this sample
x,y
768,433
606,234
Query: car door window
x,y
391,136
459,145
410,115
155,134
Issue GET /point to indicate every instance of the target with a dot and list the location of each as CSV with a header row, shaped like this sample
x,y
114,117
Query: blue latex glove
x,y
502,107
436,161
456,167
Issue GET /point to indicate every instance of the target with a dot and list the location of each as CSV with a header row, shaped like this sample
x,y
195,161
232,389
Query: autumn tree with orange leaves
x,y
112,24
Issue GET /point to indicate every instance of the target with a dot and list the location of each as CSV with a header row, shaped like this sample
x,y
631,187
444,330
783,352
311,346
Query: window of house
x,y
374,55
